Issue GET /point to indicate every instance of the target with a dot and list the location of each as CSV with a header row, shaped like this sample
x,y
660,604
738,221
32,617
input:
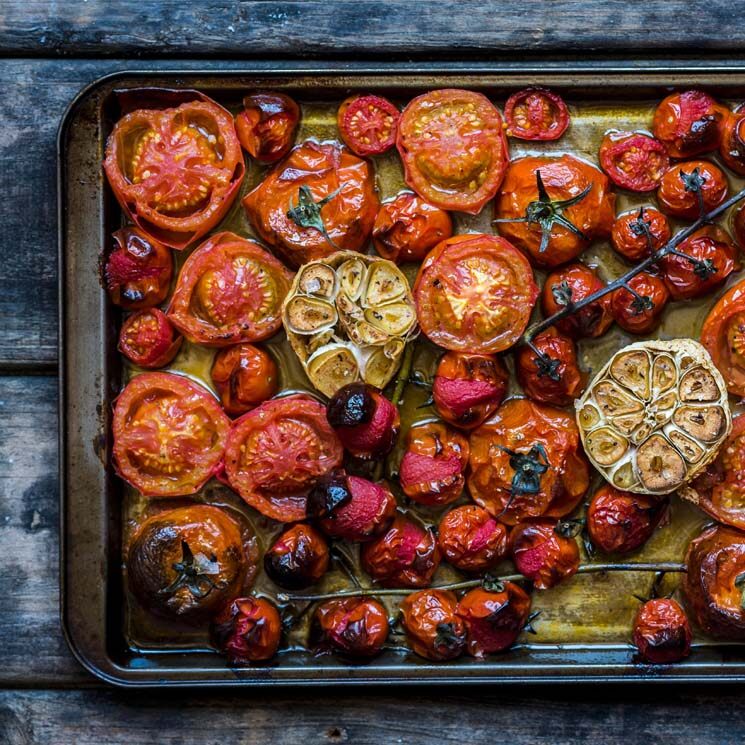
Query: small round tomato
x,y
298,558
432,470
690,189
638,233
407,228
405,556
662,633
453,148
169,435
548,369
244,376
247,630
637,308
570,285
368,124
474,293
148,339
543,554
471,539
689,123
266,127
633,160
536,114
433,628
352,627
277,452
732,147
138,270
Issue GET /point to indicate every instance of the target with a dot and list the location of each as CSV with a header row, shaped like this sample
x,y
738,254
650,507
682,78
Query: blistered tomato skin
x,y
691,189
298,558
367,124
662,633
244,376
351,627
633,160
543,554
471,539
148,339
638,233
247,630
266,127
433,628
732,148
638,308
536,114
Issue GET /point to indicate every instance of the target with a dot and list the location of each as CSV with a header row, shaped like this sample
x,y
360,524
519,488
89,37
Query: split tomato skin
x,y
244,376
298,558
247,630
471,539
634,315
662,633
633,160
637,233
367,124
148,340
351,627
677,197
267,125
732,148
543,554
433,628
536,114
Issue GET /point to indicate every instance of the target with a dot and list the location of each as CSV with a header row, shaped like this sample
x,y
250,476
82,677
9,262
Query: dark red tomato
x,y
543,554
352,627
247,630
433,628
405,556
169,435
536,114
175,171
633,160
453,148
432,470
638,233
298,558
471,539
570,285
367,124
548,370
277,452
138,270
244,376
148,339
266,127
407,228
494,619
732,148
468,387
691,189
638,308
662,633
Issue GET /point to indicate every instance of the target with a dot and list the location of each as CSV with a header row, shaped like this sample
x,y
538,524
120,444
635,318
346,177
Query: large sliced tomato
x,y
453,147
474,293
278,452
169,435
229,290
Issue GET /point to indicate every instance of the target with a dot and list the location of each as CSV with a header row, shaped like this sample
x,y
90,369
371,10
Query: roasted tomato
x,y
689,123
175,171
474,293
662,633
468,387
710,257
732,148
432,470
277,452
247,630
633,160
570,285
229,290
405,556
266,127
690,189
186,562
244,376
543,553
148,339
433,628
552,208
536,114
548,370
637,308
320,199
407,228
453,148
738,226
352,627
638,233
471,539
169,435
367,124
298,558
138,270
526,462
494,619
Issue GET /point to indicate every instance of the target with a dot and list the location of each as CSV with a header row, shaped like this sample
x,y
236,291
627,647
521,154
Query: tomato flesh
x,y
266,127
633,160
368,124
148,339
536,114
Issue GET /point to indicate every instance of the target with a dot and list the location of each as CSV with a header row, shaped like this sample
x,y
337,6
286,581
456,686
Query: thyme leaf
x,y
307,213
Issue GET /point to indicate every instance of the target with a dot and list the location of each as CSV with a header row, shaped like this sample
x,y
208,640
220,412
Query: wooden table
x,y
52,50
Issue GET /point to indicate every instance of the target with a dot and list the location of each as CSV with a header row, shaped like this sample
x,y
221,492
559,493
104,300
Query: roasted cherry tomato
x,y
536,114
662,633
266,127
148,339
453,148
690,189
638,308
732,147
298,558
319,200
468,387
633,160
433,628
138,270
474,293
244,376
689,123
432,470
471,539
405,556
407,228
367,124
543,553
526,462
277,452
247,630
738,226
352,627
175,171
638,233
169,435
552,208
548,370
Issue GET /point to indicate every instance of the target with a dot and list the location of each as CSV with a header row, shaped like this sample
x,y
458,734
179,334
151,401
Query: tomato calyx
x,y
548,367
641,303
694,184
528,467
194,573
569,528
702,268
307,213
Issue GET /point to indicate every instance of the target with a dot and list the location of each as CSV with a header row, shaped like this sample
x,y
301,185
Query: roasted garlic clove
x,y
309,315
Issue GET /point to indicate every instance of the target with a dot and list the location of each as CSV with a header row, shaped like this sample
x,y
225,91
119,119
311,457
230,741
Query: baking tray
x,y
92,595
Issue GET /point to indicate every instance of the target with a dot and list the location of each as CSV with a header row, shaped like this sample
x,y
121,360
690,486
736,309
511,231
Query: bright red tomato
x,y
471,539
637,233
352,627
148,339
247,630
633,160
543,554
639,308
536,114
690,189
266,127
244,376
732,148
433,628
662,633
367,124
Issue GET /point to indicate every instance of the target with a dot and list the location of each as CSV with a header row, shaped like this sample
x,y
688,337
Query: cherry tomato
x,y
638,310
138,270
433,628
474,293
148,339
536,114
169,435
367,124
432,470
247,630
352,627
692,188
662,633
175,171
471,539
732,147
633,160
266,127
638,233
298,558
453,148
277,452
244,376
543,554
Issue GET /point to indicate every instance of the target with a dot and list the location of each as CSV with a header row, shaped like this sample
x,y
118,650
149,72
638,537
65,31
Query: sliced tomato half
x,y
633,160
368,124
536,114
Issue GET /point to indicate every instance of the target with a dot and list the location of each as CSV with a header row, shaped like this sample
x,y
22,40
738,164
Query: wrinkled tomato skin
x,y
407,228
266,127
633,319
662,633
298,558
148,339
676,200
536,114
247,630
471,539
732,148
433,628
351,627
542,554
244,376
633,160
634,245
367,124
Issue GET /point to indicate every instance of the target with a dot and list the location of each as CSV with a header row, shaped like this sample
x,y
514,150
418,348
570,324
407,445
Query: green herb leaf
x,y
307,213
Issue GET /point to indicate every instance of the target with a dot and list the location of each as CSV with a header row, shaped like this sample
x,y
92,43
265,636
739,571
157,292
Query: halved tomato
x,y
148,339
732,148
367,124
633,160
536,114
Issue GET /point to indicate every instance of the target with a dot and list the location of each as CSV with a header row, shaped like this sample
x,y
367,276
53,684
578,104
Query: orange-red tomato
x,y
691,189
433,628
148,339
638,309
247,630
738,225
298,558
471,539
536,114
633,160
244,376
266,127
543,554
352,627
732,147
368,124
662,633
638,233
